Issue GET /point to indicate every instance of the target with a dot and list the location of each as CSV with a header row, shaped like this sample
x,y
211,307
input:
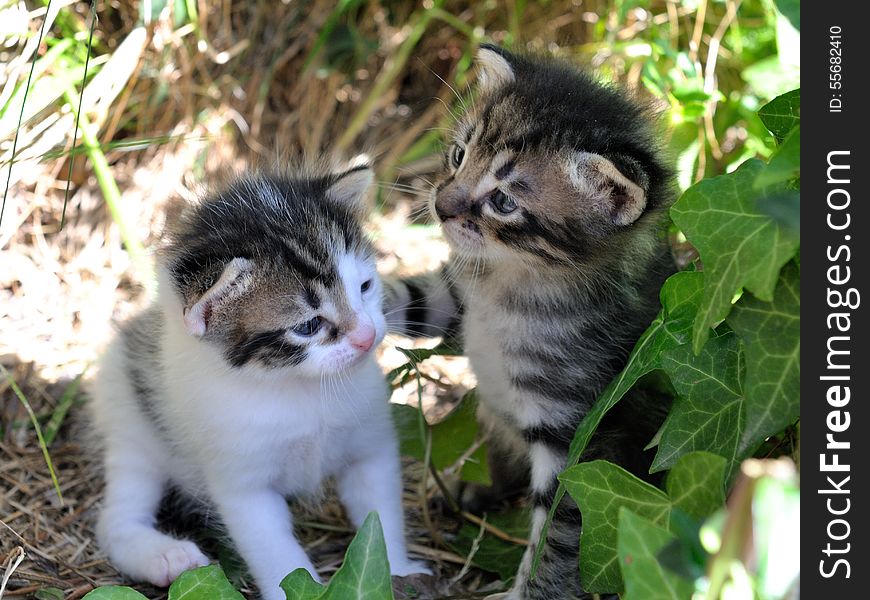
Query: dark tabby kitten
x,y
553,200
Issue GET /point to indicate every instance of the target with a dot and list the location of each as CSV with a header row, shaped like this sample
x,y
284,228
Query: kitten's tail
x,y
424,305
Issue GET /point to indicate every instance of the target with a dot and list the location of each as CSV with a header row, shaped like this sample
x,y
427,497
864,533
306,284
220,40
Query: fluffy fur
x,y
552,199
252,379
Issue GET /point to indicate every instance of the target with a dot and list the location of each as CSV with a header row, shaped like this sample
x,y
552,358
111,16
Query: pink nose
x,y
362,337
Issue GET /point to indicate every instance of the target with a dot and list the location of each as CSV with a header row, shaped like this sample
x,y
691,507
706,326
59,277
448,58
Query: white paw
x,y
501,596
409,567
171,560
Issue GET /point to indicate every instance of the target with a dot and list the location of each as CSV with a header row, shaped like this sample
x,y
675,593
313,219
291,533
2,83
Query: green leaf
x,y
204,583
493,554
365,572
771,335
53,593
785,164
685,555
600,489
782,114
785,209
640,541
708,413
406,421
300,585
452,437
739,245
791,10
696,484
455,434
114,592
418,355
475,469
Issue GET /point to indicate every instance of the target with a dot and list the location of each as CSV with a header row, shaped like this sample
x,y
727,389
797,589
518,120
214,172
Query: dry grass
x,y
226,91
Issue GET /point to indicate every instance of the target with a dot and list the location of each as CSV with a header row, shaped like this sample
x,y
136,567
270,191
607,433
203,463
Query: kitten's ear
x,y
494,70
234,280
350,187
601,181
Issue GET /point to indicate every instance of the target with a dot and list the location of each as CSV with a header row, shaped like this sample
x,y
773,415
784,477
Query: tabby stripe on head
x,y
444,183
269,346
505,170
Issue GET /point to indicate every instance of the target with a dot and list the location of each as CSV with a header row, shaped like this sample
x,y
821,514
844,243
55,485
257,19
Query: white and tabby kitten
x,y
251,379
552,198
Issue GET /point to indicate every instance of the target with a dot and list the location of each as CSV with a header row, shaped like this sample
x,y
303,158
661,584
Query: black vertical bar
x,y
834,267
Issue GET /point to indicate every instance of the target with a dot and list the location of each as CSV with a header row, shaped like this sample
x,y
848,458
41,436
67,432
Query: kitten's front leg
x,y
261,527
556,577
126,527
374,483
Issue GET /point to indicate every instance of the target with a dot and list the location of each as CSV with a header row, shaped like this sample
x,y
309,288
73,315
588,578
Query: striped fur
x,y
552,199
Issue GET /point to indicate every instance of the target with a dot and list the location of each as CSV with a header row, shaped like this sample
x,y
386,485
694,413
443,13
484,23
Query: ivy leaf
x,y
782,114
708,413
300,585
696,484
739,245
600,489
114,592
771,335
364,574
204,583
640,541
680,296
785,164
785,209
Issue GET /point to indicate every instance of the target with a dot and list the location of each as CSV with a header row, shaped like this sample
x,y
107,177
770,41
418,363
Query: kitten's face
x,y
278,274
501,205
316,326
526,174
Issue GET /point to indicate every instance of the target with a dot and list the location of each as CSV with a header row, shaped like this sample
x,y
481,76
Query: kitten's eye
x,y
308,328
366,286
457,155
503,203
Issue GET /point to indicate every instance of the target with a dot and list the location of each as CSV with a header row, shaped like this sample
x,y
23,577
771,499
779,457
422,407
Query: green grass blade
x,y
43,446
93,19
21,114
62,409
111,193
